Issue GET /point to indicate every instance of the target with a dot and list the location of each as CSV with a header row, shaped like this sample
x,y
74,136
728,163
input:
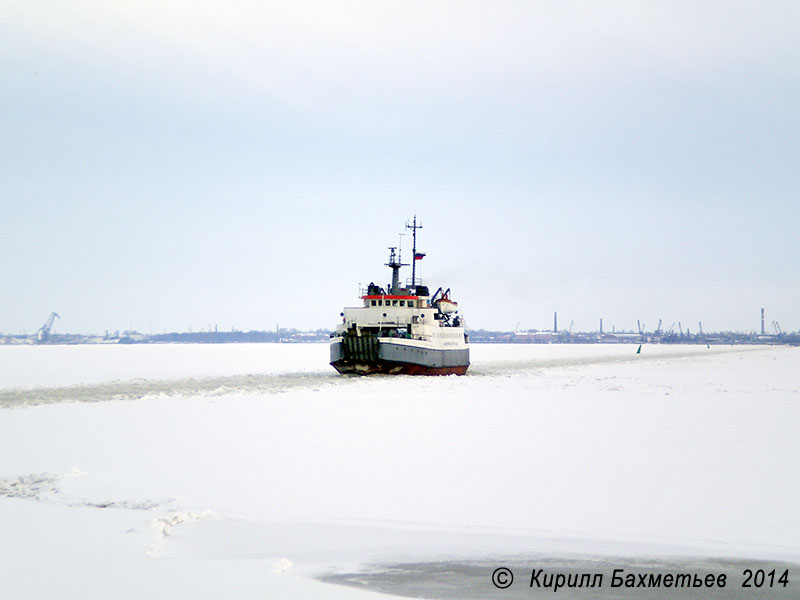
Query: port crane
x,y
43,334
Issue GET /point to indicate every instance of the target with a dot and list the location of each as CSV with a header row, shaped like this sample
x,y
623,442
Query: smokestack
x,y
762,321
555,322
601,325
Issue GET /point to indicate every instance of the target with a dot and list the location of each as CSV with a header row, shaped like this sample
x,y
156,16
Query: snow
x,y
249,470
56,365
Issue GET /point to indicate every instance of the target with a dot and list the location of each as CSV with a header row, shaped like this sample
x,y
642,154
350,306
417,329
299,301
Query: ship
x,y
401,329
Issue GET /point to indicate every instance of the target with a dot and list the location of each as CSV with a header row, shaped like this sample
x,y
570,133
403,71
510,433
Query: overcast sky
x,y
174,164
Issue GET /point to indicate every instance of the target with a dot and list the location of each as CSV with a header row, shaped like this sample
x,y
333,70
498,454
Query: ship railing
x,y
401,334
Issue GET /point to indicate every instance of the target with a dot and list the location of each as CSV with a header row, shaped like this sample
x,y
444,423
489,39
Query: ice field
x,y
255,471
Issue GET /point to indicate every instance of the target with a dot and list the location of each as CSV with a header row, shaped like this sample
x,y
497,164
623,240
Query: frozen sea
x,y
255,471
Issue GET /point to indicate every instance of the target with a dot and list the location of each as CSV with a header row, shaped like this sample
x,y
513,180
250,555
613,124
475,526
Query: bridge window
x,y
394,302
373,303
402,302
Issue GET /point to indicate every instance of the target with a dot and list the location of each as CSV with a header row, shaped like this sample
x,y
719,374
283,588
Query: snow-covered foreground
x,y
248,471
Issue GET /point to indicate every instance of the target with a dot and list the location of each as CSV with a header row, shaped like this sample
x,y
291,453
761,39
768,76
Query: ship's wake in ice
x,y
194,386
534,362
600,356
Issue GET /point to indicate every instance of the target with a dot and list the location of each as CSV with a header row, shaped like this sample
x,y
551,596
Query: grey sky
x,y
169,165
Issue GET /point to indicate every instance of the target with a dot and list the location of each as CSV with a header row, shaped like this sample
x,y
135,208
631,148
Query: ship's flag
x,y
419,256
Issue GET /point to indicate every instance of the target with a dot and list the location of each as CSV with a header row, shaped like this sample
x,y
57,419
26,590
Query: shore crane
x,y
43,334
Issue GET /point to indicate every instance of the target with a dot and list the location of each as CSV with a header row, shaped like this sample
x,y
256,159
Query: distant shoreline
x,y
293,336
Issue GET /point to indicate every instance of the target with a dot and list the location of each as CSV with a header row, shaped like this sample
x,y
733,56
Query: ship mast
x,y
395,264
414,228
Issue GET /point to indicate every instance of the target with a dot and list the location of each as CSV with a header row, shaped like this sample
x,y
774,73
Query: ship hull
x,y
371,355
393,368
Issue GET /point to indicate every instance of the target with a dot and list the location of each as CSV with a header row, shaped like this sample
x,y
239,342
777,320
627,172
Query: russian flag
x,y
419,256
